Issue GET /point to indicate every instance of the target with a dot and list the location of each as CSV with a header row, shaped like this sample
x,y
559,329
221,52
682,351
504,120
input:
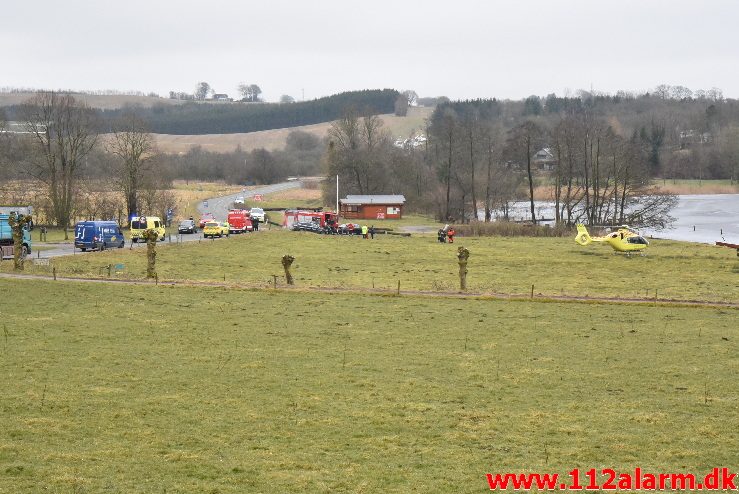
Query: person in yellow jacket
x,y
364,231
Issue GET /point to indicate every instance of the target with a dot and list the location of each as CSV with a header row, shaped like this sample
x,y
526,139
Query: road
x,y
218,206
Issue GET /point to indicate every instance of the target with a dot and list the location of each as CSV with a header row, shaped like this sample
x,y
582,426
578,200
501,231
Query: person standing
x,y
372,231
365,230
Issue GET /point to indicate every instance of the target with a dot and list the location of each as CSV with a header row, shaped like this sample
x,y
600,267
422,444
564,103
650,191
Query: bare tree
x,y
401,106
359,152
135,148
410,96
202,90
249,92
64,132
446,131
522,143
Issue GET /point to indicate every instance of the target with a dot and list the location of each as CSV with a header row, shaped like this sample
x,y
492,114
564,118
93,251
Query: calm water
x,y
698,218
709,214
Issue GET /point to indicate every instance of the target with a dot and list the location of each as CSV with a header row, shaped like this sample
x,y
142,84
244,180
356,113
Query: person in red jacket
x,y
451,233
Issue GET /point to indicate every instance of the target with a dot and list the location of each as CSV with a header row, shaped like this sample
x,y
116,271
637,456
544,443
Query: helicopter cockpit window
x,y
637,240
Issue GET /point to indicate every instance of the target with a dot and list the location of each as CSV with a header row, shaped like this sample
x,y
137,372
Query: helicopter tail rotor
x,y
583,237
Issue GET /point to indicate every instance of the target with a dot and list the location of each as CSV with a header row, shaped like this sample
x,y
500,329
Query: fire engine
x,y
318,218
239,221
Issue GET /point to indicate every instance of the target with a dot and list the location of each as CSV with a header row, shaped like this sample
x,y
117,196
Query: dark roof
x,y
374,199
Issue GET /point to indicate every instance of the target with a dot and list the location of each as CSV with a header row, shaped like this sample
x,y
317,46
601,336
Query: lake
x,y
698,218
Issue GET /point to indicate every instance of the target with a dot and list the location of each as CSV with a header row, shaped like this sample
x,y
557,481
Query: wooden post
x,y
462,257
398,287
532,291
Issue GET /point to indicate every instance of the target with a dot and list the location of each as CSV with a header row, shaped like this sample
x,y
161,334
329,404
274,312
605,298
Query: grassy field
x,y
545,191
142,389
555,266
275,139
698,186
104,102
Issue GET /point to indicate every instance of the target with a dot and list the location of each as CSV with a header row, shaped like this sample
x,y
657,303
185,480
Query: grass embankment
x,y
413,123
144,389
545,190
686,187
555,266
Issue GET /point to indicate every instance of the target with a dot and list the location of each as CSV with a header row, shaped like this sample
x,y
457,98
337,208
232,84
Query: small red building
x,y
372,207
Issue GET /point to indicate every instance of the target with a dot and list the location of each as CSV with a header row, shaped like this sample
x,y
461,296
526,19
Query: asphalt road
x,y
218,206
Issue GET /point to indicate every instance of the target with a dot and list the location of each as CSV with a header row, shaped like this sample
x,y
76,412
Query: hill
x,y
275,139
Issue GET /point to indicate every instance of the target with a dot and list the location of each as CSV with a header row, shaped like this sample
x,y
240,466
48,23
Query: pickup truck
x,y
6,239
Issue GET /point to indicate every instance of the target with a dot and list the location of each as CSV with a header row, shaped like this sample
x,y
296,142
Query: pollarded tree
x,y
17,225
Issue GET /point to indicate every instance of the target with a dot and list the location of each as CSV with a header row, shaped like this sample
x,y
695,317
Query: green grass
x,y
142,389
54,235
555,266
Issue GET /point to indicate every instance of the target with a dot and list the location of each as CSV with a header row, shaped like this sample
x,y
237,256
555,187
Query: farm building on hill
x,y
372,207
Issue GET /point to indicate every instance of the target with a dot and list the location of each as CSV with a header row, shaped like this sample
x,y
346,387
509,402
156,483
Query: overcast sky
x,y
461,49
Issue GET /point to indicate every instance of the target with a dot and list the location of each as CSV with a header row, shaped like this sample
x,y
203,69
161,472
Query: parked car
x,y
205,218
239,200
215,229
258,214
98,235
187,226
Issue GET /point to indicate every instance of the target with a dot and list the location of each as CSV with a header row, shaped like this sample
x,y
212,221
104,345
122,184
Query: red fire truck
x,y
239,221
319,218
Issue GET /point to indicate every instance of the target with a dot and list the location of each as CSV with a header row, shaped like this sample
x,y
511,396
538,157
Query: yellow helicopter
x,y
625,239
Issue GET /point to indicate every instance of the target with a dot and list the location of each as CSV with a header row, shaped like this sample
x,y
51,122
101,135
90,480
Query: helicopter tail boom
x,y
583,237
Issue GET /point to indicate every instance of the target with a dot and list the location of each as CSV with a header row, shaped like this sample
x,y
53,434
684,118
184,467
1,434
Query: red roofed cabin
x,y
372,207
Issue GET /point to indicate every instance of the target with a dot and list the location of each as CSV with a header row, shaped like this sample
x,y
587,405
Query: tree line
x,y
78,172
594,156
210,118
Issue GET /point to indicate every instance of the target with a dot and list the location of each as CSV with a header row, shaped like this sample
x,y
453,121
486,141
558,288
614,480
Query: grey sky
x,y
461,49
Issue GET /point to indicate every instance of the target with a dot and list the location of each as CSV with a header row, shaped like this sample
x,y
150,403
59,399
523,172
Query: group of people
x,y
446,234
